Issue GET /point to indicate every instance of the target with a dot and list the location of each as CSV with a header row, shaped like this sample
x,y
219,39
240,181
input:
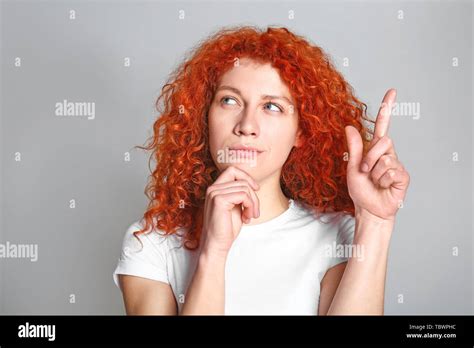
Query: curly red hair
x,y
314,174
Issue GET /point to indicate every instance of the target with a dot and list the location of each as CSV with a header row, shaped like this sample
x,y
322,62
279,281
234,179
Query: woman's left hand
x,y
377,190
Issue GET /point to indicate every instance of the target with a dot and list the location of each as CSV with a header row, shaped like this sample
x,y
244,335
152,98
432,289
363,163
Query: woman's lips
x,y
244,148
246,153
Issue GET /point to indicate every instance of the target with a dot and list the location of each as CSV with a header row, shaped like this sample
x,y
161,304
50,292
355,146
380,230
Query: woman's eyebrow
x,y
277,97
264,96
233,89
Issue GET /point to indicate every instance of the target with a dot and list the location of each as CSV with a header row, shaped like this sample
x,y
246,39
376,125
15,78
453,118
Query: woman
x,y
265,175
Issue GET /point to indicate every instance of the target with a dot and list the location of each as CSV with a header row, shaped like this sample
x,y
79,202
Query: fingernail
x,y
365,167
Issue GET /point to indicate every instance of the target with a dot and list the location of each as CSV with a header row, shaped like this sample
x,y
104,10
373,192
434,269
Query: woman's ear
x,y
299,138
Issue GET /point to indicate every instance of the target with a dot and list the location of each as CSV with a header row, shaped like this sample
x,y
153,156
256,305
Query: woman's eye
x,y
232,101
228,98
277,107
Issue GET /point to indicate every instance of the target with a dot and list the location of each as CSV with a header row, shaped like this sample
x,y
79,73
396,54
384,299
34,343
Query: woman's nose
x,y
248,123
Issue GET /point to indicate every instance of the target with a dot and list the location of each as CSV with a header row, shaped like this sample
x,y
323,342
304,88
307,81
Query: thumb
x,y
354,142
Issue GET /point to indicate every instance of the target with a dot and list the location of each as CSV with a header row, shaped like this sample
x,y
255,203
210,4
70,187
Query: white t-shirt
x,y
274,267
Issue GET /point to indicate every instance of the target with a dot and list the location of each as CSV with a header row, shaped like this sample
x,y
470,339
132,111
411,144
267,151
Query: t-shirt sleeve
x,y
149,261
344,239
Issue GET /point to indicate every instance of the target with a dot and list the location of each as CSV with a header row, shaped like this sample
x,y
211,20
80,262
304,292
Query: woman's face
x,y
252,107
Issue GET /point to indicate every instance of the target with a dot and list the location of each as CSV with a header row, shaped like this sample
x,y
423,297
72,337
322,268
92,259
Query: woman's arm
x,y
223,219
143,296
362,281
377,183
205,295
329,285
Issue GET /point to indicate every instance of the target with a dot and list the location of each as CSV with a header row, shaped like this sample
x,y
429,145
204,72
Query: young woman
x,y
270,194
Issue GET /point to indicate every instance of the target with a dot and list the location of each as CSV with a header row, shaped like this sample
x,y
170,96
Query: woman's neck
x,y
272,201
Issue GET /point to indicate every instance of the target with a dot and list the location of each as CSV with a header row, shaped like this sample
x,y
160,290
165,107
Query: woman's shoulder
x,y
144,255
342,224
329,218
153,237
339,218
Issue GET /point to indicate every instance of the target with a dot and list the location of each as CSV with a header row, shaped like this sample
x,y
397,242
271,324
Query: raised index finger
x,y
383,117
233,173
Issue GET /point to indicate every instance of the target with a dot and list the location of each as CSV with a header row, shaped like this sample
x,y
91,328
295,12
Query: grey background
x,y
75,158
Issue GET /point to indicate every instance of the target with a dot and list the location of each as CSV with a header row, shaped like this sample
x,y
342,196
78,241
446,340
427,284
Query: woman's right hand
x,y
223,216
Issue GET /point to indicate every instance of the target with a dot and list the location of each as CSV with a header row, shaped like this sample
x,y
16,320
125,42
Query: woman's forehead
x,y
252,76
